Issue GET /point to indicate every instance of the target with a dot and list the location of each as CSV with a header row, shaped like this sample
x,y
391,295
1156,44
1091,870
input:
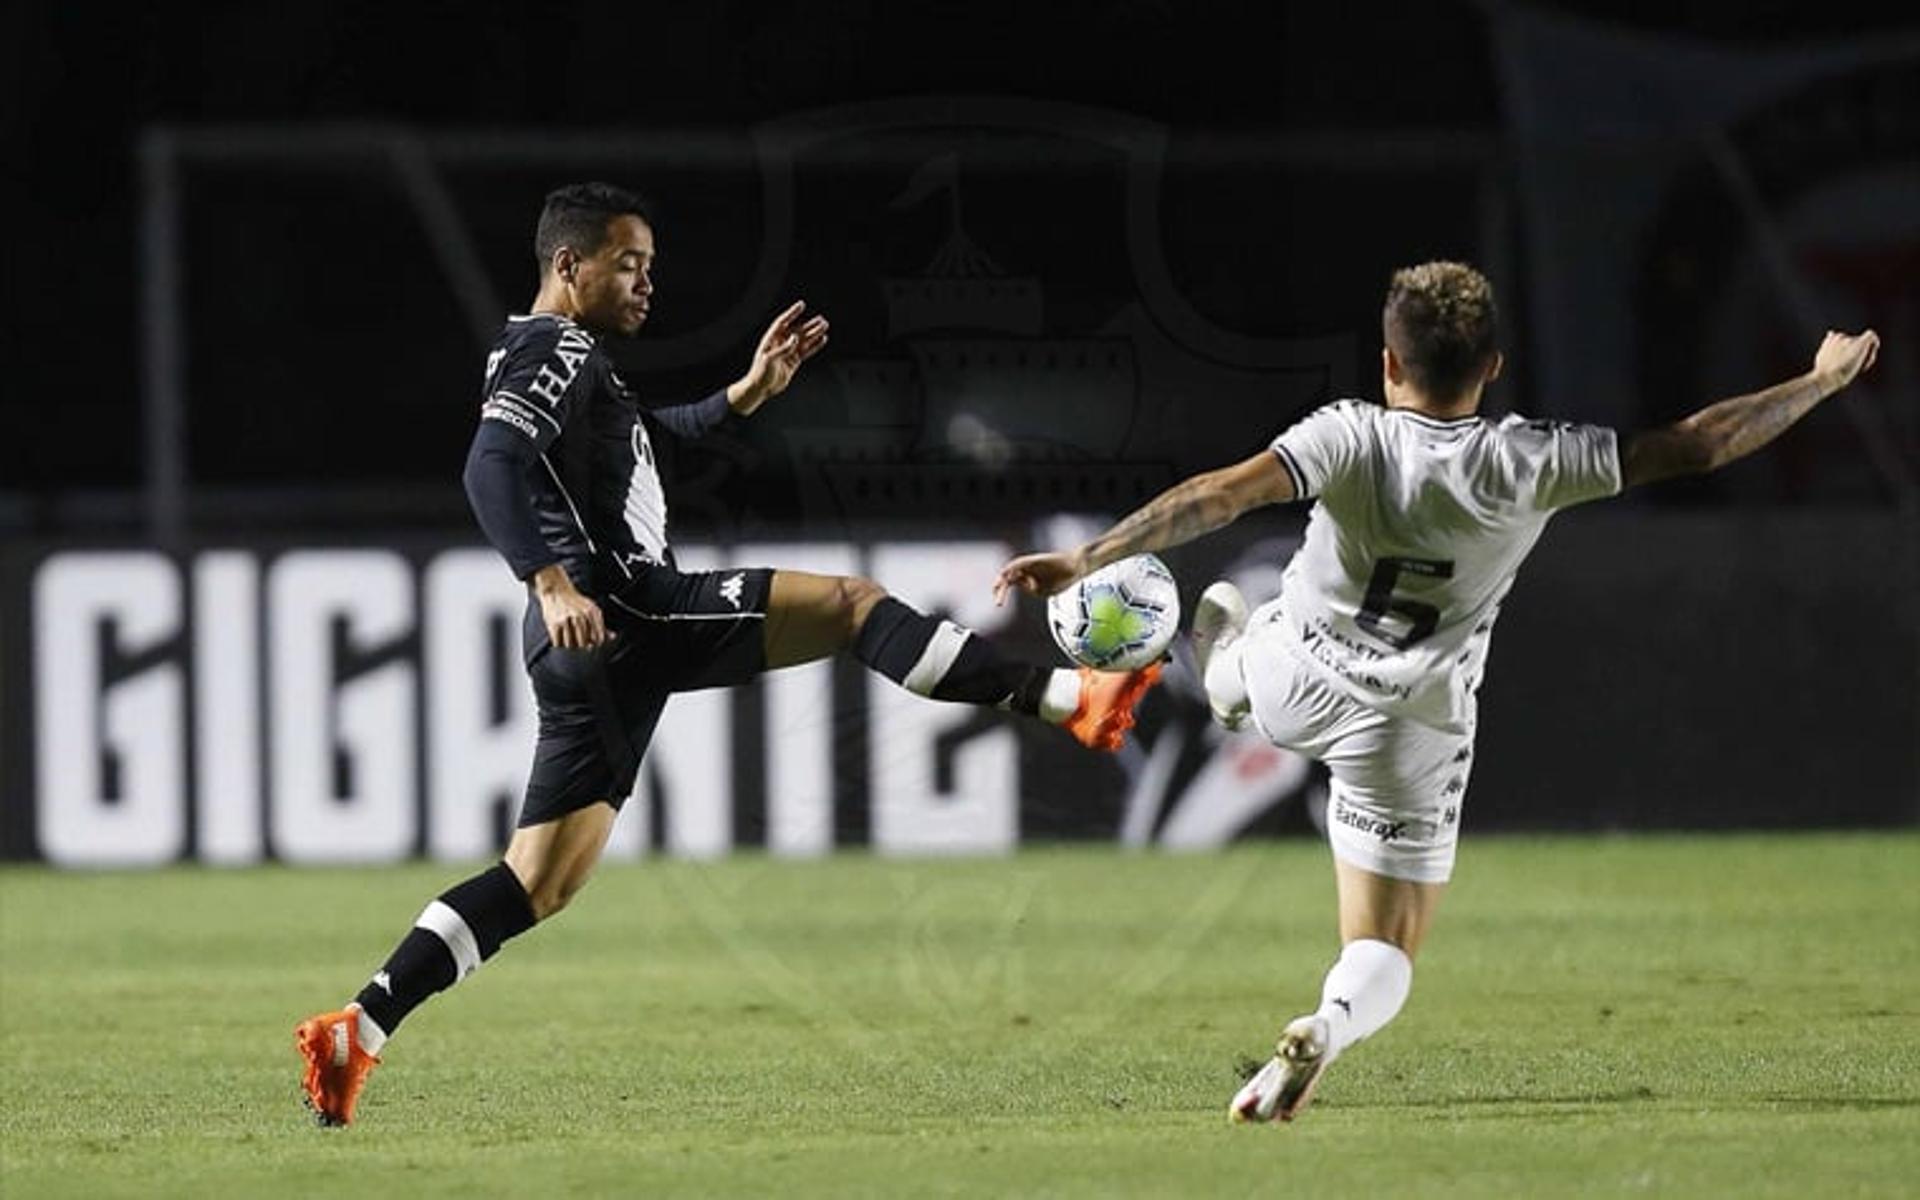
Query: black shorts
x,y
673,632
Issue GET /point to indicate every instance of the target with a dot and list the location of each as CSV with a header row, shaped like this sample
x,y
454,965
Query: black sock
x,y
454,935
940,660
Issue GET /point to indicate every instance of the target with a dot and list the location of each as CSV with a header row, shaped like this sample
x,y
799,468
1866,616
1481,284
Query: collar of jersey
x,y
1437,422
543,317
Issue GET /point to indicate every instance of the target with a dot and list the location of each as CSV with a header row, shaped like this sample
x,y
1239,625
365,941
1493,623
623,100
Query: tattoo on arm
x,y
1180,514
1723,432
1745,423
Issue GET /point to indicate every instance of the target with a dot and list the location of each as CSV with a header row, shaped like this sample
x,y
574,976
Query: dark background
x,y
349,317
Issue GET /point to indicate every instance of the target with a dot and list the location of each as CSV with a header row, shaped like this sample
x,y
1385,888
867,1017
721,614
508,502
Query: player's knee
x,y
550,890
549,895
854,598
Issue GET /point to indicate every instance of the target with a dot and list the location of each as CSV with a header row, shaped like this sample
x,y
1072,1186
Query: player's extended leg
x,y
813,616
544,866
1383,921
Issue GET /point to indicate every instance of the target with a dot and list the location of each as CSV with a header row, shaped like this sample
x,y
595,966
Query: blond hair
x,y
1441,323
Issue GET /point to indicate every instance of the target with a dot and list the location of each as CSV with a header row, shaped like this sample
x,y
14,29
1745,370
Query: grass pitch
x,y
1674,1016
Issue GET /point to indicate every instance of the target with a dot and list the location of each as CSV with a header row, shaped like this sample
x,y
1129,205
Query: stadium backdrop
x,y
366,703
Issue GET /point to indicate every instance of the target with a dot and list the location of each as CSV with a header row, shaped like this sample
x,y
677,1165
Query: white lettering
x,y
226,689
474,761
691,761
506,416
343,757
305,706
550,385
112,780
911,815
800,720
571,351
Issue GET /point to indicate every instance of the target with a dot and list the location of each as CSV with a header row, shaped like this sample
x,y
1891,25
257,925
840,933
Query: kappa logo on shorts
x,y
731,587
1386,831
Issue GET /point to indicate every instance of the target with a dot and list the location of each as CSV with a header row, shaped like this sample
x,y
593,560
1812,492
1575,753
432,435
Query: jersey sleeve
x,y
498,463
530,385
695,420
1570,464
1320,449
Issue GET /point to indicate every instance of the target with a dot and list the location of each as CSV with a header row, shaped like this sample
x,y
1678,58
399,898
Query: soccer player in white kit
x,y
1370,657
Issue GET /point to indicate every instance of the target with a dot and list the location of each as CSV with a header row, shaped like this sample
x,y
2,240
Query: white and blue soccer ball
x,y
1119,618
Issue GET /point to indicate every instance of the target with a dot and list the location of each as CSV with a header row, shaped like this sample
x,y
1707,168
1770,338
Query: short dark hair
x,y
1441,323
577,215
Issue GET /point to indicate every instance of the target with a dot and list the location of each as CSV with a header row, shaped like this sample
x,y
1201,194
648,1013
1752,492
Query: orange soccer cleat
x,y
337,1068
1106,705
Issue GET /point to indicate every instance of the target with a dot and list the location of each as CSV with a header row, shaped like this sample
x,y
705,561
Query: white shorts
x,y
1398,784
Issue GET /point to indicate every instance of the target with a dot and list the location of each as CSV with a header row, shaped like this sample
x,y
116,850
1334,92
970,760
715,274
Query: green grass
x,y
1674,1016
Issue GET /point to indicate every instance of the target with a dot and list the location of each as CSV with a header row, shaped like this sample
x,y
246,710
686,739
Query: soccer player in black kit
x,y
561,477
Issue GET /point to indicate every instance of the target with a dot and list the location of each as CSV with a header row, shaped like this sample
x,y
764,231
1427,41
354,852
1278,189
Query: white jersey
x,y
1419,528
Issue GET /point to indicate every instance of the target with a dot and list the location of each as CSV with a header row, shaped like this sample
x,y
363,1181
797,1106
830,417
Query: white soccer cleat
x,y
1281,1089
1218,621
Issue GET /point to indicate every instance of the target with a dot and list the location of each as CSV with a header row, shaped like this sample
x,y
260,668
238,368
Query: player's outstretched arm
x,y
1734,428
1178,515
787,343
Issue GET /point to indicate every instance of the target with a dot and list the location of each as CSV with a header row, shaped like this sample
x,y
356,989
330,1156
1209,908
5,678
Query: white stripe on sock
x,y
368,1033
936,660
452,929
1062,697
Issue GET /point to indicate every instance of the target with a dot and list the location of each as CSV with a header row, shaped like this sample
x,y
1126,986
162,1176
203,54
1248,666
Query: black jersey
x,y
587,453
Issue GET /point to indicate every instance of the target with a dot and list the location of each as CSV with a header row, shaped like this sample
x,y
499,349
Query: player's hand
x,y
573,621
1844,355
787,343
1038,574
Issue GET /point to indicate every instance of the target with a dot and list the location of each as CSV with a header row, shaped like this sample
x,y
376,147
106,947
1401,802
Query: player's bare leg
x,y
813,616
1380,908
554,859
1383,921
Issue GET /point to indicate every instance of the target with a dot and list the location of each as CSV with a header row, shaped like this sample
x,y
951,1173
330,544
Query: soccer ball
x,y
1119,618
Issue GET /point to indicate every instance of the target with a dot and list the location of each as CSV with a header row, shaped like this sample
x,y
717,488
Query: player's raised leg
x,y
544,866
813,616
1383,921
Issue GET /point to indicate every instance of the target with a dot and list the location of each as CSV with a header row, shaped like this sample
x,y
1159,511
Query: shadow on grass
x,y
1513,1107
1564,1106
1844,1103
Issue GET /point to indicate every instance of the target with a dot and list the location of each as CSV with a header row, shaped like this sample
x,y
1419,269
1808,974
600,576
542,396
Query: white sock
x,y
1364,990
370,1036
1061,698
